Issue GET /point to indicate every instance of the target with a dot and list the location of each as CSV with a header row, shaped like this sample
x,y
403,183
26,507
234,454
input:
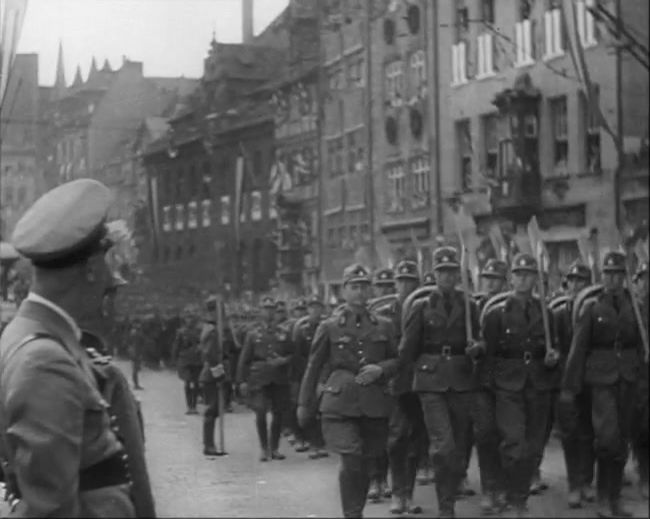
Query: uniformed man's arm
x,y
411,334
575,364
390,366
45,421
245,358
492,330
318,356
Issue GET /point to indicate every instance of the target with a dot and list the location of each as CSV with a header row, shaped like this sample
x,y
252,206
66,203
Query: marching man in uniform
x,y
263,375
407,439
524,374
360,350
60,455
577,437
604,360
435,345
383,282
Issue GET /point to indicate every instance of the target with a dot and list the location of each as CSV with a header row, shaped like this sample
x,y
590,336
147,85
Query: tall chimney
x,y
247,21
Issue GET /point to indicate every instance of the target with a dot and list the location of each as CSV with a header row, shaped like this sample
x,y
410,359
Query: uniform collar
x,y
36,298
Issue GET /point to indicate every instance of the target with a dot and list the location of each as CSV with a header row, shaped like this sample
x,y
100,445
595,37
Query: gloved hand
x,y
551,359
218,371
475,349
368,374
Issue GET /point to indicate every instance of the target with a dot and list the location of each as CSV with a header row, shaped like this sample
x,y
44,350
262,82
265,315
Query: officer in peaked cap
x,y
383,282
359,348
299,308
263,374
604,360
57,443
494,278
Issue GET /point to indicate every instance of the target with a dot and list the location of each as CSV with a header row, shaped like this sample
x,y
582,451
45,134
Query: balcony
x,y
518,195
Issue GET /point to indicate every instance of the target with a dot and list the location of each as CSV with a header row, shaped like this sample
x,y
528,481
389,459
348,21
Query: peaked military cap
x,y
383,277
429,279
314,300
495,268
66,225
641,270
524,262
578,270
614,261
300,304
407,269
268,302
445,258
356,273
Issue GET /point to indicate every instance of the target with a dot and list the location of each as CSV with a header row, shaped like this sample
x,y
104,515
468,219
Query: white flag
x,y
12,14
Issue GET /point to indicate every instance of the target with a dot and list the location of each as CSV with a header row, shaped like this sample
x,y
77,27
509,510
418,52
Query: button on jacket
x,y
345,342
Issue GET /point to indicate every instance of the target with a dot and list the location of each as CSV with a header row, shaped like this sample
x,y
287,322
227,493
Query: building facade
x,y
523,136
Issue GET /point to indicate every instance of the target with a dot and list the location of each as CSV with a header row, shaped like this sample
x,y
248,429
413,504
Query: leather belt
x,y
110,472
527,356
445,350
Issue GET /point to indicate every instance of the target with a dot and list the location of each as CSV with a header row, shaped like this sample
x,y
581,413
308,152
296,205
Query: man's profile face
x,y
493,285
405,287
613,280
575,285
523,282
447,278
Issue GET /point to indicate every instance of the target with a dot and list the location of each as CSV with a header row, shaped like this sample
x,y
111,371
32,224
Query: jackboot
x,y
208,437
446,488
262,435
188,399
276,431
615,486
353,486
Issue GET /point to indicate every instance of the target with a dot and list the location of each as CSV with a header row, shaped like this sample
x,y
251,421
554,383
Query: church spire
x,y
107,66
77,78
59,82
93,68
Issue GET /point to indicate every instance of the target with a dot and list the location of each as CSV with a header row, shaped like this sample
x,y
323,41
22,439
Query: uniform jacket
x,y
303,335
428,329
516,346
563,328
606,345
185,350
345,342
125,411
402,382
265,342
54,421
211,353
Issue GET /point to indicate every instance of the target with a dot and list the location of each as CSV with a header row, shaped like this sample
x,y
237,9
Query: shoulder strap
x,y
34,337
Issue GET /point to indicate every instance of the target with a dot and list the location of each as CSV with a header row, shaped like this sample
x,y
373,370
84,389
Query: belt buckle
x,y
528,356
446,351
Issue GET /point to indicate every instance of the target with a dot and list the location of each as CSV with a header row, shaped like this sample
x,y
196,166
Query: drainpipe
x,y
435,98
619,120
370,133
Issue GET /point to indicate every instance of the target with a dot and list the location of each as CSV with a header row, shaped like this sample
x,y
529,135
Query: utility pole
x,y
370,189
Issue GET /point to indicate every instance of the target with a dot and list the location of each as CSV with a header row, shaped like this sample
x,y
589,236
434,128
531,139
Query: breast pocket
x,y
378,348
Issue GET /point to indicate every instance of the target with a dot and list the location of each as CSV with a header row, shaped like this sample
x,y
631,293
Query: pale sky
x,y
170,37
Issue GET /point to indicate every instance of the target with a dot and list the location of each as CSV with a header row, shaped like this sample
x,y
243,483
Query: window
x,y
256,206
418,69
331,237
413,18
335,156
355,151
553,33
206,213
192,215
524,43
257,165
225,209
464,140
365,233
341,239
459,63
354,236
396,190
490,144
335,79
487,8
192,182
389,31
592,133
244,208
356,72
395,81
560,133
586,23
485,55
420,174
180,217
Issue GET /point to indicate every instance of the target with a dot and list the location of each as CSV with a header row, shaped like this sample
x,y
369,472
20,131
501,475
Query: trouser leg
x,y
262,430
398,447
188,394
276,430
487,442
353,484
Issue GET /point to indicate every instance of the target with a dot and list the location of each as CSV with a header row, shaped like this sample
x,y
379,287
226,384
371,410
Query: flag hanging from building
x,y
239,185
383,252
468,237
155,221
499,242
418,252
12,15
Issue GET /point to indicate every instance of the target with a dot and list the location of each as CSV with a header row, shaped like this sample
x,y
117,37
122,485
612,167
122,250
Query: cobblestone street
x,y
187,484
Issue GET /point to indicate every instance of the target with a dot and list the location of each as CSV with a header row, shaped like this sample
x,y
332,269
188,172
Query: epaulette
x,y
97,358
